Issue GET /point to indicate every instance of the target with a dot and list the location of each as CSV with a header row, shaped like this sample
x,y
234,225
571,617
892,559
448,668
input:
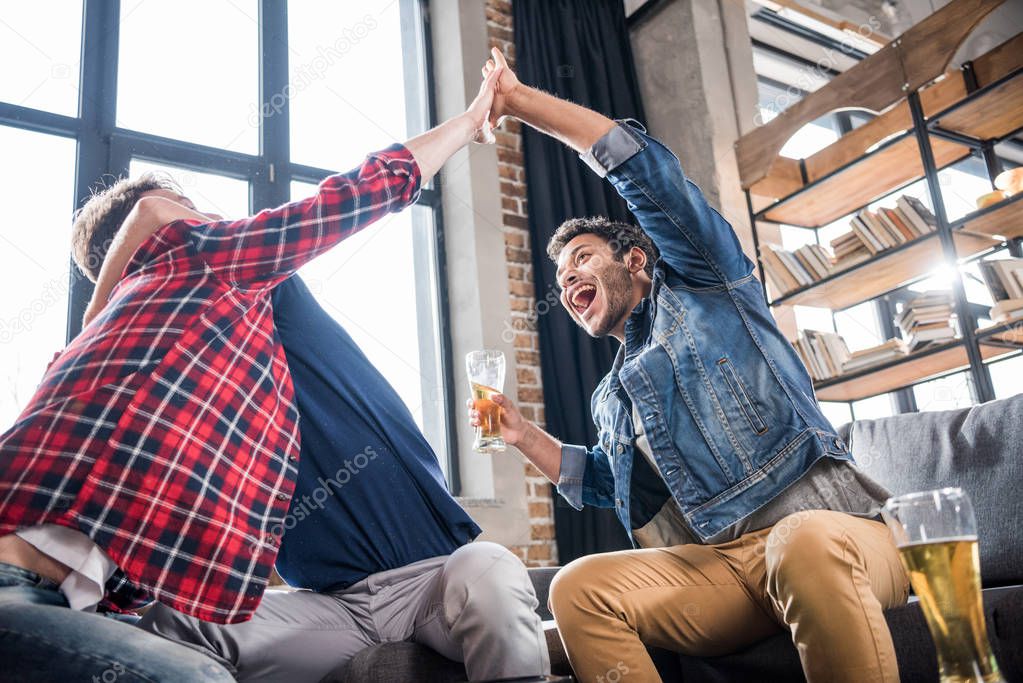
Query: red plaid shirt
x,y
167,430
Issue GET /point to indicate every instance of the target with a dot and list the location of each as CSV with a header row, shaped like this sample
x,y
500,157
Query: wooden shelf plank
x,y
1004,219
1010,332
884,273
904,372
990,116
864,181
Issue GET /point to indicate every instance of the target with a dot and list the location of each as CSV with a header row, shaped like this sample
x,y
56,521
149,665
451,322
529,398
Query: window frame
x,y
104,150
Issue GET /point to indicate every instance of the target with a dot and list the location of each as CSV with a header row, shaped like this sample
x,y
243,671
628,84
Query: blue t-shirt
x,y
370,494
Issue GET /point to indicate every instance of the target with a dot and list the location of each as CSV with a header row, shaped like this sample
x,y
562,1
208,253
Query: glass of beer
x,y
936,534
486,377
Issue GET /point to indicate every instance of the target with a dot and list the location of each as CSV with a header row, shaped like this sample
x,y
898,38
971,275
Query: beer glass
x,y
486,377
936,534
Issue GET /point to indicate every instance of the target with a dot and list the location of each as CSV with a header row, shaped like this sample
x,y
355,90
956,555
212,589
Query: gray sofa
x,y
979,449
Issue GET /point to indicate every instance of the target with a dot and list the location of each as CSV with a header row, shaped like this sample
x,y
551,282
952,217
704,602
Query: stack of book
x,y
788,270
823,353
927,319
849,249
874,231
1004,279
865,358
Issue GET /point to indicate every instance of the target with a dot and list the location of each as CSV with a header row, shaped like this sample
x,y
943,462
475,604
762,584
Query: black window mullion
x,y
97,104
271,184
420,114
127,145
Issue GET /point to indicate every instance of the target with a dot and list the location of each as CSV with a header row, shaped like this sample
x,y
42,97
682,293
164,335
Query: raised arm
x,y
263,249
693,238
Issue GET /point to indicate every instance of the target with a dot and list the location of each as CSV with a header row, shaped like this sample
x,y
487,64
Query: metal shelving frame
x,y
922,130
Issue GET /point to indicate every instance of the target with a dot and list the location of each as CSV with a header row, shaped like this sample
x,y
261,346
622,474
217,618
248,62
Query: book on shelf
x,y
789,270
879,230
895,220
823,353
795,267
921,218
875,355
870,241
849,249
872,232
1005,310
919,337
927,319
1004,278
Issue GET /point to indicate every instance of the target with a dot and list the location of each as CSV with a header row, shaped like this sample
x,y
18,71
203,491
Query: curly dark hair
x,y
98,221
621,237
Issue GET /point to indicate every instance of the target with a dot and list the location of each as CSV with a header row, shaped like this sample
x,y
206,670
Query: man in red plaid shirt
x,y
162,443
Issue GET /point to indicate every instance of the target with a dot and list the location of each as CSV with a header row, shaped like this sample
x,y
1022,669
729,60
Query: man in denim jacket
x,y
712,449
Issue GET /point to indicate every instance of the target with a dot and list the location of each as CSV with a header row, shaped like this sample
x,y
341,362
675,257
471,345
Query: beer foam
x,y
942,539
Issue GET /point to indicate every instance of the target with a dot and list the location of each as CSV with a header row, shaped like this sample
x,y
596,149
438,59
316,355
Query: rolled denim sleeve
x,y
586,477
693,238
616,147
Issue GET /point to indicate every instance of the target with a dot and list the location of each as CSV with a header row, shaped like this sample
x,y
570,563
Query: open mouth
x,y
582,297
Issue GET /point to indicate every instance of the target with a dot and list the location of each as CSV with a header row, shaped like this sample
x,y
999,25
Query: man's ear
x,y
636,261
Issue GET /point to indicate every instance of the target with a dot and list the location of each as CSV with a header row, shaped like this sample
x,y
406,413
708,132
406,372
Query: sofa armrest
x,y
541,578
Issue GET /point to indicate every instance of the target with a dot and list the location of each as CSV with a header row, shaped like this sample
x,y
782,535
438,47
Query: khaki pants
x,y
824,576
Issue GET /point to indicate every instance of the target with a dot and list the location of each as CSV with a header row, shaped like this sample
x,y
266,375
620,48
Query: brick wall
x,y
540,550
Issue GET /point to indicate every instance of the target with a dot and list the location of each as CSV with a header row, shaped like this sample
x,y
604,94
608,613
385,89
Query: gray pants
x,y
476,606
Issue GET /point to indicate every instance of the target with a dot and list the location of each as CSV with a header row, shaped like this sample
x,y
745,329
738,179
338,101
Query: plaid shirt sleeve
x,y
262,250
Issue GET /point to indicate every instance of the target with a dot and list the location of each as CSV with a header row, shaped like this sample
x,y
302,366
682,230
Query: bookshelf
x,y
889,270
931,118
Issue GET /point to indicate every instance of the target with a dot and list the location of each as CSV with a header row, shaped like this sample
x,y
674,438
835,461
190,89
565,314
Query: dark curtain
x,y
578,50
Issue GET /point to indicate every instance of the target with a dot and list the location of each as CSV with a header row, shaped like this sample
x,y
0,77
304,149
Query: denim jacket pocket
x,y
741,396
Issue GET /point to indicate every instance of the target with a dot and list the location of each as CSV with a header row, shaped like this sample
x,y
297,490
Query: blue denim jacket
x,y
726,404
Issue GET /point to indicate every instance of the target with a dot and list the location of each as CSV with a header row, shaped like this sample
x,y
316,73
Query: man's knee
x,y
165,622
572,590
485,576
804,547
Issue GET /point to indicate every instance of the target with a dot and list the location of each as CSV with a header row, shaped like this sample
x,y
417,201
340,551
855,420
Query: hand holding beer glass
x,y
486,378
936,534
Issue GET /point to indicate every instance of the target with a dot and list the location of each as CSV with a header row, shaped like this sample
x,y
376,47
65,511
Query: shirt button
x,y
293,457
282,496
619,502
621,449
838,442
271,540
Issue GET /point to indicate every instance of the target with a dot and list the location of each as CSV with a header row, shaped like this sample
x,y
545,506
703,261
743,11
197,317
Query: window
x,y
264,100
333,122
43,38
37,193
377,284
227,197
204,92
1005,376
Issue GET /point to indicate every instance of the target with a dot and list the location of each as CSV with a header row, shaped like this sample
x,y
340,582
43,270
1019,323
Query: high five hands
x,y
492,103
507,85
